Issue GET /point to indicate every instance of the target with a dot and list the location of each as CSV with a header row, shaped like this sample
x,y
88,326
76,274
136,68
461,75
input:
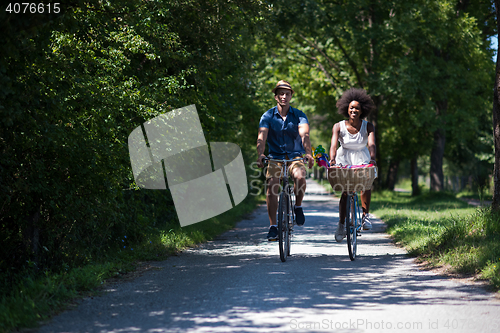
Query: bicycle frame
x,y
286,214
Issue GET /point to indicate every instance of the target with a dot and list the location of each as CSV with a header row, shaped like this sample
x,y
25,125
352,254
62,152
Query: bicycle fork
x,y
358,217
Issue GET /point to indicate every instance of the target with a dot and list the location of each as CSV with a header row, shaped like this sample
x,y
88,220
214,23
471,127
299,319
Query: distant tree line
x,y
426,63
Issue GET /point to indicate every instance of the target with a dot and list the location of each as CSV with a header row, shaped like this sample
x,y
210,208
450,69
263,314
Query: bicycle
x,y
286,201
353,220
351,180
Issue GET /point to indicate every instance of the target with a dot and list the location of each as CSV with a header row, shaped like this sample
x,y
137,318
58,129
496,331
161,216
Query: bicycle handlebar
x,y
267,160
340,165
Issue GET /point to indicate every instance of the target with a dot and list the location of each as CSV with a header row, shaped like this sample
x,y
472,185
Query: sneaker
x,y
367,225
273,233
340,233
299,216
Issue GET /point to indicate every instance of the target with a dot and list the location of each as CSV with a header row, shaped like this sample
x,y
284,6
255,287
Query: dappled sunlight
x,y
305,289
237,283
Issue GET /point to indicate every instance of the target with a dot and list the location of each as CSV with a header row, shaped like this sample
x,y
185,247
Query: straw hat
x,y
282,84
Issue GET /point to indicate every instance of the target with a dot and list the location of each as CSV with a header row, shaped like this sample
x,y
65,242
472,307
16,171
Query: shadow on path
x,y
237,283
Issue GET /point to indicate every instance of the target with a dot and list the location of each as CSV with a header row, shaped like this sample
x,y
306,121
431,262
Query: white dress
x,y
353,149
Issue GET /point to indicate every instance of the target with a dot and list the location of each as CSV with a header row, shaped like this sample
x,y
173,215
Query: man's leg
x,y
273,189
299,177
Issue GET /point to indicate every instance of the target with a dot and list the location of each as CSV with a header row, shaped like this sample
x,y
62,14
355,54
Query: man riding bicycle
x,y
286,131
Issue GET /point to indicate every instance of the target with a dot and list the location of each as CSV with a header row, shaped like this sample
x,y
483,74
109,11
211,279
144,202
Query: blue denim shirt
x,y
283,138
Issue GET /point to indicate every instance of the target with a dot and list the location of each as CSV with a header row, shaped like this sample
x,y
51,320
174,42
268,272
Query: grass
x,y
404,184
35,299
475,195
444,230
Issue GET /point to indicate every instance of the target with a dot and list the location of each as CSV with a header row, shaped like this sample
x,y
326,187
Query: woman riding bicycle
x,y
357,139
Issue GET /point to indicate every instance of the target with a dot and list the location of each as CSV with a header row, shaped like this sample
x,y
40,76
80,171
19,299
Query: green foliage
x,y
426,63
72,88
443,230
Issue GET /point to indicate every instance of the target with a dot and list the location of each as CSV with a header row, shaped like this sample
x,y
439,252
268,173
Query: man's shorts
x,y
274,169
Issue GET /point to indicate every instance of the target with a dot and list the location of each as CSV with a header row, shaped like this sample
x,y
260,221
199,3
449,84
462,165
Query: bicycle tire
x,y
351,229
283,230
291,217
357,224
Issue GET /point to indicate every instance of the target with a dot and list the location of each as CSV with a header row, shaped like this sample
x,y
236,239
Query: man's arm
x,y
261,145
306,143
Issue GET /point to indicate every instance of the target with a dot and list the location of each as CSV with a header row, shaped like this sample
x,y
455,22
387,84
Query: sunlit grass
x,y
444,230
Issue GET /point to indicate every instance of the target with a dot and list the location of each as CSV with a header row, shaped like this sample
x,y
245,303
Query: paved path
x,y
237,283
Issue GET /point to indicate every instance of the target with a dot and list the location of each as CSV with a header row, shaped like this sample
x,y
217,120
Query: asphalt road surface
x,y
237,283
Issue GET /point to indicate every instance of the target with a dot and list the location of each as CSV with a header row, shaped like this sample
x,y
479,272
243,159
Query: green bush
x,y
72,88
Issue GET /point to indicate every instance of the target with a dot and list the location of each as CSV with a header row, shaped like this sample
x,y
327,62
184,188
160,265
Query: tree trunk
x,y
32,237
392,175
496,123
415,190
437,153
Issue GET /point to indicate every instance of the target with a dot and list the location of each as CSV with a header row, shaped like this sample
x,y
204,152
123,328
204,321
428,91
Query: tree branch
x,y
320,66
323,53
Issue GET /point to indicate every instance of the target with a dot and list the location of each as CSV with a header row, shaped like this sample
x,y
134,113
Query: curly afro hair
x,y
358,95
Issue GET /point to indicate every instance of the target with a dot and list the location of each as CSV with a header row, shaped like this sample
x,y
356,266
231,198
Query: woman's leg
x,y
343,200
366,197
340,232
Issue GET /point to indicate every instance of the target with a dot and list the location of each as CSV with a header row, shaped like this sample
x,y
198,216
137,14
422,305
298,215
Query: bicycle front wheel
x,y
283,230
291,217
351,224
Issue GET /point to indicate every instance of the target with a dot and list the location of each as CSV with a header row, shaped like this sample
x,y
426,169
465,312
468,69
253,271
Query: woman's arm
x,y
333,144
372,148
